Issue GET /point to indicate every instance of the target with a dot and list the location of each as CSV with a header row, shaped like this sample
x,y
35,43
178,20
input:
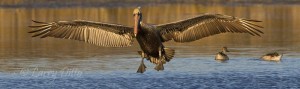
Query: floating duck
x,y
221,56
274,56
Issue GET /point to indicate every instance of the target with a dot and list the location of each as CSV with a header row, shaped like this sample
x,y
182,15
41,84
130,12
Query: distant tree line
x,y
66,3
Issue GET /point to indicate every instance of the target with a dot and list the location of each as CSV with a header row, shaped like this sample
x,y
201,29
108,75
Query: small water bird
x,y
274,56
149,37
221,56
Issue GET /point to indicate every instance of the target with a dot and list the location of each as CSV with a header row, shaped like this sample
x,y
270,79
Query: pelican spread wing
x,y
101,34
206,25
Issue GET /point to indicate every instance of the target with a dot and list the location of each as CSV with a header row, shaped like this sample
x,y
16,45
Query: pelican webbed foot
x,y
142,67
159,66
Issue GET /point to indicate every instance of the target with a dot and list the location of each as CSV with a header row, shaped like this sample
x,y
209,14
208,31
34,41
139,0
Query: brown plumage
x,y
150,37
101,34
206,25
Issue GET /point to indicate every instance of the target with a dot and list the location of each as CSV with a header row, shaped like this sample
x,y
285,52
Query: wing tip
x,y
41,24
38,21
252,20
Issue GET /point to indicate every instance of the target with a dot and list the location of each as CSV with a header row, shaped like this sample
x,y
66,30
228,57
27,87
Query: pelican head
x,y
137,18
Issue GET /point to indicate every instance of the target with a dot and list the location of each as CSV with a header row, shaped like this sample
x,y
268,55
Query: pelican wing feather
x,y
206,25
101,34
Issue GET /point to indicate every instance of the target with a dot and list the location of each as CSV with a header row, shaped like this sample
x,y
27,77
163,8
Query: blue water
x,y
183,72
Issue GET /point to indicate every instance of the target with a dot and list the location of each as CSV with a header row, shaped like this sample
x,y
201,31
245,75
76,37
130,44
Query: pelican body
x,y
221,56
272,57
149,37
152,47
149,40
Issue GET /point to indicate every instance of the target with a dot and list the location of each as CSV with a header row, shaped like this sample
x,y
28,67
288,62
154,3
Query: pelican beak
x,y
136,23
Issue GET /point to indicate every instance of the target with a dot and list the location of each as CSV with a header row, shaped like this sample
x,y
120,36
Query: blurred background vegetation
x,y
113,3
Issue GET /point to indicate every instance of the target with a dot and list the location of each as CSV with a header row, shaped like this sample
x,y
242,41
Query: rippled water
x,y
198,71
27,62
187,70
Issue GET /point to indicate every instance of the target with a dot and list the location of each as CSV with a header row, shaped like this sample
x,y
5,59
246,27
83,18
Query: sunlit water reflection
x,y
55,63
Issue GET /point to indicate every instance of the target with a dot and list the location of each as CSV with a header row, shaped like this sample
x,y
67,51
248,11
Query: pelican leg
x,y
143,55
159,52
159,66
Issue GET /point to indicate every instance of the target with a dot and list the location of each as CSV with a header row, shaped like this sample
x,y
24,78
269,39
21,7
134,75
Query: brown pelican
x,y
221,56
272,57
149,37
